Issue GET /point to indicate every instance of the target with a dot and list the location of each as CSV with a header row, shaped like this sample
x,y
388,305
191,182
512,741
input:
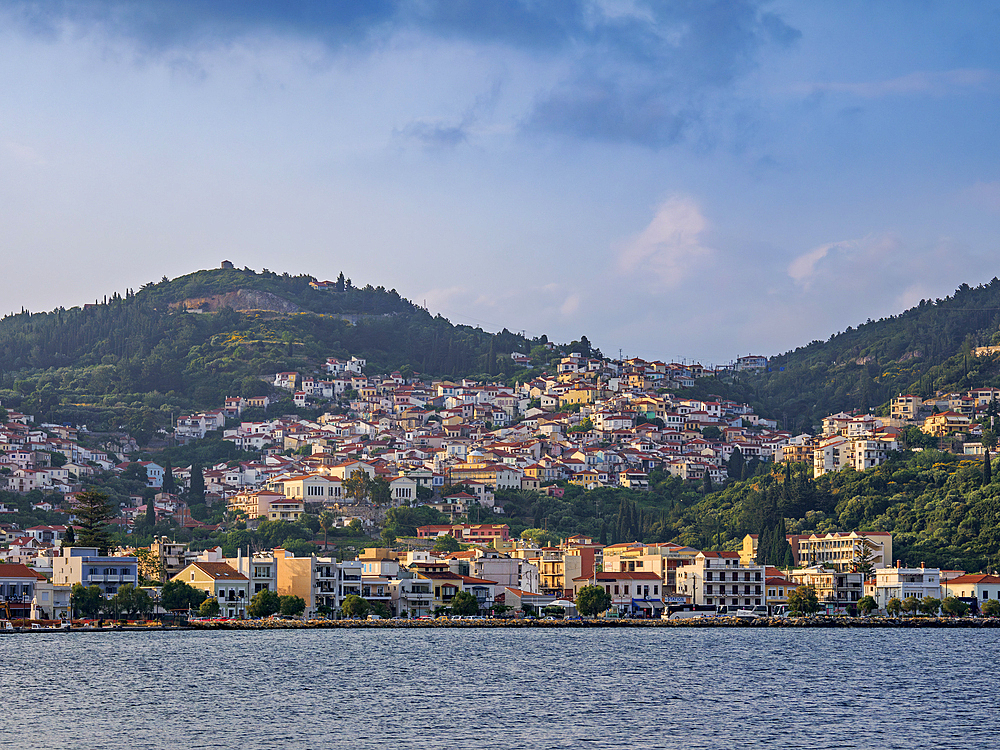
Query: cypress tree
x,y
987,467
169,485
197,489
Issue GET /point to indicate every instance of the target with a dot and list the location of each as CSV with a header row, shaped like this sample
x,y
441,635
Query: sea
x,y
489,688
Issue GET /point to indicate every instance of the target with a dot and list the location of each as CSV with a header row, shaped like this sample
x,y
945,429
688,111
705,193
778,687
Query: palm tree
x,y
326,522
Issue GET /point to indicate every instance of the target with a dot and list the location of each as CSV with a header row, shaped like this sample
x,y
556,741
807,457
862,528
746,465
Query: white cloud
x,y
671,248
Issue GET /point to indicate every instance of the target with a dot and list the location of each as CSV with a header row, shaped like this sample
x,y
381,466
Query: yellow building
x,y
219,580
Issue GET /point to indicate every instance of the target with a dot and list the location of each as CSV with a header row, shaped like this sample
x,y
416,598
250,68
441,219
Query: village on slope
x,y
594,423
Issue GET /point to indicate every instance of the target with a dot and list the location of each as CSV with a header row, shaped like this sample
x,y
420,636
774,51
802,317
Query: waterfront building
x,y
721,578
230,587
901,583
84,565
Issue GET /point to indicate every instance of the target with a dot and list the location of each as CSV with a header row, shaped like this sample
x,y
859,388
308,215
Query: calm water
x,y
502,689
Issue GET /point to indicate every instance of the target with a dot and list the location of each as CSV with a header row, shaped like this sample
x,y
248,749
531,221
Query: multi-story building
x,y
901,583
720,578
980,586
17,587
637,593
843,551
838,591
322,582
230,587
84,565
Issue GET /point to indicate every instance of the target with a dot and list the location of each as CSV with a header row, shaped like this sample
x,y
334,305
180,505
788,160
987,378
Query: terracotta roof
x,y
220,571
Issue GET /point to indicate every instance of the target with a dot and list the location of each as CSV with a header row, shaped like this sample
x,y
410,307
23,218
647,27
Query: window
x,y
656,590
626,589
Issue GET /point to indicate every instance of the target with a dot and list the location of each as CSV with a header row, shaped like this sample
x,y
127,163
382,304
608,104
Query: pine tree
x,y
93,514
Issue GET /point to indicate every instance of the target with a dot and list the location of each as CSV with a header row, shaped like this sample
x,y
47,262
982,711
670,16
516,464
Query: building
x,y
842,551
17,588
901,583
322,582
978,586
720,578
638,593
85,566
230,587
838,592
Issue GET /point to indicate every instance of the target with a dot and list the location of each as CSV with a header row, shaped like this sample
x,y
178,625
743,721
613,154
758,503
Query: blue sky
x,y
672,179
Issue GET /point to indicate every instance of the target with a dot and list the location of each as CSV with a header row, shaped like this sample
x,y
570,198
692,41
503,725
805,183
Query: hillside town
x,y
380,443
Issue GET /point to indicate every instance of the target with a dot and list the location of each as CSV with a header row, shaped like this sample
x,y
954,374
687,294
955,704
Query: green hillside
x,y
922,350
143,351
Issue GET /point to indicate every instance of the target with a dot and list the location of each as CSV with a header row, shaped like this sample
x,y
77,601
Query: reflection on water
x,y
601,688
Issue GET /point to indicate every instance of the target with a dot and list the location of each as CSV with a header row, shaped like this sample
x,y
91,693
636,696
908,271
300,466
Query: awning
x,y
647,603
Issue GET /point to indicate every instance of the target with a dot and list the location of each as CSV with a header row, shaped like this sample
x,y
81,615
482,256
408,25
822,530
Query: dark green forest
x,y
936,505
925,349
137,352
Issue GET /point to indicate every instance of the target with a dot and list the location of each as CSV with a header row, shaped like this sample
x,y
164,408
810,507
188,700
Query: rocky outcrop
x,y
243,300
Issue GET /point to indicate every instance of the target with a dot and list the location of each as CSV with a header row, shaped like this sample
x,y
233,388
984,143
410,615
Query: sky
x,y
690,180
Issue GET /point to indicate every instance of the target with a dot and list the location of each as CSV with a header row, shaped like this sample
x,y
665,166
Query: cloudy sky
x,y
687,179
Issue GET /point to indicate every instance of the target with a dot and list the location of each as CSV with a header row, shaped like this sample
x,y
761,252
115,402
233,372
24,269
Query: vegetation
x,y
93,515
464,603
354,606
264,604
135,359
867,604
592,600
803,600
922,350
954,606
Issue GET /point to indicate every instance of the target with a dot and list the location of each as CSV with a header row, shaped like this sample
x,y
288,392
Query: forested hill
x,y
143,349
922,350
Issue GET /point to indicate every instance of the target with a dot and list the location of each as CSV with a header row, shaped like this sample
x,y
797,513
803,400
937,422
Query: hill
x,y
925,349
186,343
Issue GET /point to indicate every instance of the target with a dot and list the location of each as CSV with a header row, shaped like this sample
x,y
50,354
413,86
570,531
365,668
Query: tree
x,y
150,567
354,606
954,606
196,490
381,609
356,486
987,467
894,606
446,543
592,600
991,608
803,600
209,607
178,595
93,512
264,604
326,522
292,605
911,604
86,601
169,485
131,601
863,561
707,483
388,536
867,604
69,538
150,508
930,605
464,603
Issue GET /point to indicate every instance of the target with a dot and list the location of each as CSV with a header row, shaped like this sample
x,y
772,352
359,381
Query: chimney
x,y
899,563
921,565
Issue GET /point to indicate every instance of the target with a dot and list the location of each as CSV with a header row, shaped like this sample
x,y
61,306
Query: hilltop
x,y
928,348
187,343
